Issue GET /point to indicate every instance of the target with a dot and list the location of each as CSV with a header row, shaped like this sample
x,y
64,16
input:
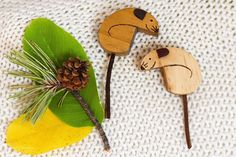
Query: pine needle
x,y
62,99
41,70
27,75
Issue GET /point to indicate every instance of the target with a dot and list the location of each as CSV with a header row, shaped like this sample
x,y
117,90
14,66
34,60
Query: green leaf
x,y
59,46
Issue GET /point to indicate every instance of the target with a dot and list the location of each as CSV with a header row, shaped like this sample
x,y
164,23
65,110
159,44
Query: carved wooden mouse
x,y
117,32
116,36
180,71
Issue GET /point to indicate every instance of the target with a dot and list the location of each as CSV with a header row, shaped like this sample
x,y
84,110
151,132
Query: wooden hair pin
x,y
181,74
116,35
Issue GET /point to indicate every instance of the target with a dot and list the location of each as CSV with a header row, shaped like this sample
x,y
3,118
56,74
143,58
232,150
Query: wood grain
x,y
180,70
117,32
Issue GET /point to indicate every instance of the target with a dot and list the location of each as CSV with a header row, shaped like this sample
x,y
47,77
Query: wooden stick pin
x,y
181,74
116,35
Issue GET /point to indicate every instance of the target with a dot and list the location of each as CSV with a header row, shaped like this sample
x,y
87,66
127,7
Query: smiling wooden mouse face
x,y
146,22
180,70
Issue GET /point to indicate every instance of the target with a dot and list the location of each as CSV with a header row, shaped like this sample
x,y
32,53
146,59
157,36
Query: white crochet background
x,y
146,120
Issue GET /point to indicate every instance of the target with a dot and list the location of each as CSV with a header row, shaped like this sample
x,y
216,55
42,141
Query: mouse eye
x,y
150,58
151,20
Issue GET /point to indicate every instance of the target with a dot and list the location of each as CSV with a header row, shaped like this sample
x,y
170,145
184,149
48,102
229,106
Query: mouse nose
x,y
142,68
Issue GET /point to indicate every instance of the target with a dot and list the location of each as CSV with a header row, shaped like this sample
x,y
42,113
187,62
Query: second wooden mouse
x,y
181,73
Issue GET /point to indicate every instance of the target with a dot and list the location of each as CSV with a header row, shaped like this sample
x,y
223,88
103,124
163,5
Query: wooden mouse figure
x,y
116,36
181,74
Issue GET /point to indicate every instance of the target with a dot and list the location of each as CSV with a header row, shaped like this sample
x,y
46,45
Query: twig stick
x,y
108,82
186,123
93,119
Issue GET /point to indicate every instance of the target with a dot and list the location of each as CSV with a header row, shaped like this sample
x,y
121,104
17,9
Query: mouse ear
x,y
139,13
162,52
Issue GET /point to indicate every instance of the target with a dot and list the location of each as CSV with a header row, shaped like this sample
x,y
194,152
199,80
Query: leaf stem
x,y
90,114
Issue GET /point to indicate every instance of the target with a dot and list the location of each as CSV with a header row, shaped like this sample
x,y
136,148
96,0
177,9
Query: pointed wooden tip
x,y
107,148
189,146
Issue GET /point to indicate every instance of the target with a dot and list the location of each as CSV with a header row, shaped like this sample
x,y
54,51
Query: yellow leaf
x,y
47,134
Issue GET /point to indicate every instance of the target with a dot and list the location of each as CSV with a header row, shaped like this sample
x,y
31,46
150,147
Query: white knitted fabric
x,y
146,120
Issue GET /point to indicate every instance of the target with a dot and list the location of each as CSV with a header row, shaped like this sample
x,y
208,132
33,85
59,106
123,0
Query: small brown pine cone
x,y
73,75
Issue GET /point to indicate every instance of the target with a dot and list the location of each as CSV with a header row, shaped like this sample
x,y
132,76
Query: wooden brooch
x,y
116,35
181,74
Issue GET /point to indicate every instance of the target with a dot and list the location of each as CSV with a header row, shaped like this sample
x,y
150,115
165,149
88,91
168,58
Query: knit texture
x,y
146,120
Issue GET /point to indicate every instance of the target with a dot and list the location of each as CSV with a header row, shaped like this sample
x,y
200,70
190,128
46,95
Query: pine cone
x,y
73,75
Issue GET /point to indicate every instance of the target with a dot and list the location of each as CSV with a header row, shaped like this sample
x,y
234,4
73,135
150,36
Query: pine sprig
x,y
47,82
41,70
